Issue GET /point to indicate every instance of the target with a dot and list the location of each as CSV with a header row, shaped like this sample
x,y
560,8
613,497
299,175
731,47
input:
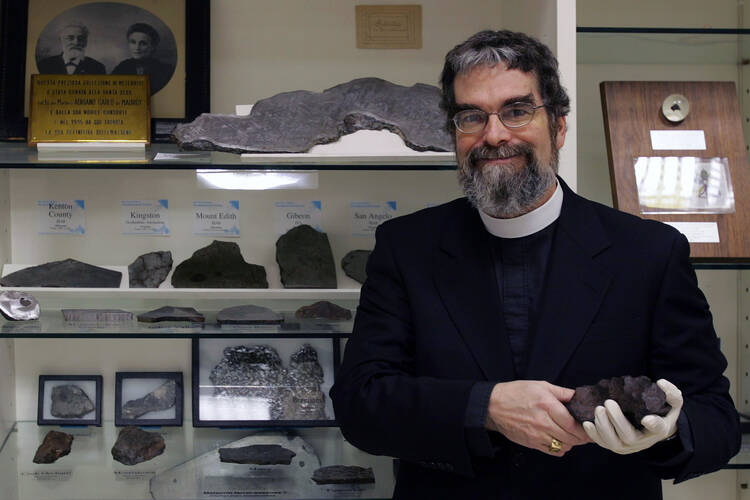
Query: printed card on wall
x,y
288,214
145,217
367,215
61,217
216,218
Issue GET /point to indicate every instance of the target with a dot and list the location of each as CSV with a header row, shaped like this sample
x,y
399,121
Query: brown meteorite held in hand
x,y
637,397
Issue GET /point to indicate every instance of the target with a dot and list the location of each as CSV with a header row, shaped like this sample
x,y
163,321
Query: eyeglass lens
x,y
513,115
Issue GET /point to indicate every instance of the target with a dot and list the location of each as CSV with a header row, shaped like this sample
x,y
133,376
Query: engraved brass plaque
x,y
389,26
89,108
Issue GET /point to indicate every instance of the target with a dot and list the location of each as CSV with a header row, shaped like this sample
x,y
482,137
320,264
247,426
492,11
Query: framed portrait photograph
x,y
148,398
271,381
166,40
70,400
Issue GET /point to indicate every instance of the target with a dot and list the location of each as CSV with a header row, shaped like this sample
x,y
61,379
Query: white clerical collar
x,y
526,224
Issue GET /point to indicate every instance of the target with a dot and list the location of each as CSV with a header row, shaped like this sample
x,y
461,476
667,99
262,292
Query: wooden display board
x,y
633,110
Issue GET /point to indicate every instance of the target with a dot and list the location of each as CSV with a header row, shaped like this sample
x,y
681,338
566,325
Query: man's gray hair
x,y
75,24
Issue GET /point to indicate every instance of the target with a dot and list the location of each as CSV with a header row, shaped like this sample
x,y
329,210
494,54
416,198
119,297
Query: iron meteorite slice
x,y
68,273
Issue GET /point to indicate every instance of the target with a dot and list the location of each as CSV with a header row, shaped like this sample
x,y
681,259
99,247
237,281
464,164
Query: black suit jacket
x,y
620,298
55,65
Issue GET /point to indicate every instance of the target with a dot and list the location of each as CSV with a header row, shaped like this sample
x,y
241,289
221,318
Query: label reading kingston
x,y
289,214
85,108
145,217
216,218
61,216
367,215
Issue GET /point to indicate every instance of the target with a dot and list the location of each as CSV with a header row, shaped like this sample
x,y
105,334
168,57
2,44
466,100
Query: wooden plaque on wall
x,y
636,127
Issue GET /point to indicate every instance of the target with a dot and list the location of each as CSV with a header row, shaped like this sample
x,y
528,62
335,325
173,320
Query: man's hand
x,y
612,430
531,413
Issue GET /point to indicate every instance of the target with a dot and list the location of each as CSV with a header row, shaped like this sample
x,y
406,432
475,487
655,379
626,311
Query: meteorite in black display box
x,y
148,398
262,381
70,400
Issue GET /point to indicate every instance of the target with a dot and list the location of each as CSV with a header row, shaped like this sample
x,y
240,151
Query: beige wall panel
x,y
661,13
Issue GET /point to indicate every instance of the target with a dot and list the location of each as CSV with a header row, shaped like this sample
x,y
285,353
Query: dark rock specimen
x,y
354,264
343,474
637,397
219,265
323,310
248,315
55,445
293,122
135,445
64,273
258,454
97,315
305,259
18,306
170,313
252,371
305,377
150,269
159,399
70,401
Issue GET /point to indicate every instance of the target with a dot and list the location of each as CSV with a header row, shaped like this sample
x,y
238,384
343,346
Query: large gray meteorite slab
x,y
248,315
343,474
161,398
70,401
354,264
171,313
293,122
305,259
18,306
64,273
135,445
637,397
150,269
258,454
219,265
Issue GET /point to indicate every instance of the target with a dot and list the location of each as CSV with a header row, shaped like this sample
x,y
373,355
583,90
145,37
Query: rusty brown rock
x,y
55,445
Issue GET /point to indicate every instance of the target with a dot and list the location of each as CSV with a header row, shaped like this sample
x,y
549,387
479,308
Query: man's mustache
x,y
499,152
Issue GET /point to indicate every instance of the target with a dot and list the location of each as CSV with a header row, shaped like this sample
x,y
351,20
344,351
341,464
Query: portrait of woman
x,y
142,40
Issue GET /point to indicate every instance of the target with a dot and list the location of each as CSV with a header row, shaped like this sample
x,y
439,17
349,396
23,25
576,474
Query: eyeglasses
x,y
514,115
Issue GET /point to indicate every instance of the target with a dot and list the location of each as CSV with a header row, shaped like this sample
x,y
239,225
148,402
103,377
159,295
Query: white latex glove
x,y
612,430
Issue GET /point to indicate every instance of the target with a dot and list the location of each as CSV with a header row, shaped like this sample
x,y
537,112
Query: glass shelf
x,y
19,155
90,473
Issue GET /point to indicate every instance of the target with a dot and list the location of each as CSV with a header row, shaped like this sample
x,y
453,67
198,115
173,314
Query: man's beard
x,y
505,191
73,52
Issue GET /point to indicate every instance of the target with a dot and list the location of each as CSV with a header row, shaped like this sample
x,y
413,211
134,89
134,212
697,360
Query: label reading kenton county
x,y
367,216
289,214
61,217
216,218
145,217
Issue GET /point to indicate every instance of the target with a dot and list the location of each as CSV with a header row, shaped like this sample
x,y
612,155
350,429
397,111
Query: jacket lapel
x,y
467,285
574,289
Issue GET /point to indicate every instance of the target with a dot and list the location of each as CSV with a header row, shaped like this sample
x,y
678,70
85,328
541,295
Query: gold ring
x,y
555,446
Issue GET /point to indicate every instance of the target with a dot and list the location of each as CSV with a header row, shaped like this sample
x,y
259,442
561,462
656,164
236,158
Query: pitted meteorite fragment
x,y
64,273
170,313
257,454
305,377
70,401
323,310
252,371
219,265
161,398
55,445
97,315
305,259
637,397
150,269
18,306
293,122
354,264
135,445
248,315
343,474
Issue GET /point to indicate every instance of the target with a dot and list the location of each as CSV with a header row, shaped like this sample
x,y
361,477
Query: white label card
x,y
289,214
366,216
61,217
216,218
678,139
698,232
145,217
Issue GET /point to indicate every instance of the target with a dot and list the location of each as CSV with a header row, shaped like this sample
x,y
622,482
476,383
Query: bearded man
x,y
480,317
74,38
